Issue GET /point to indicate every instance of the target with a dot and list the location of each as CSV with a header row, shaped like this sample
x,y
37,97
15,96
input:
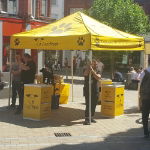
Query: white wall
x,y
57,11
40,61
28,27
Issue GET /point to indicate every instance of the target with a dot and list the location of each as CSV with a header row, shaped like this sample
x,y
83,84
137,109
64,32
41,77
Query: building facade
x,y
17,16
145,4
72,6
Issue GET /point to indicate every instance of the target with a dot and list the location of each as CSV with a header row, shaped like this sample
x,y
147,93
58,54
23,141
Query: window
x,y
12,7
53,2
33,11
3,4
44,8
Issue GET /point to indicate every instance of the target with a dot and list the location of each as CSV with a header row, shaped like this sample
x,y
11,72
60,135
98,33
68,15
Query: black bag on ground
x,y
145,86
55,101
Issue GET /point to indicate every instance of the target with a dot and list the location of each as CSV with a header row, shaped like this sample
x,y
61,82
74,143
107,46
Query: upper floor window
x,y
53,2
12,6
33,8
3,5
44,8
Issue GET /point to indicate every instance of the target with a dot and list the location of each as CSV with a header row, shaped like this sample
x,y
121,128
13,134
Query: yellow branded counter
x,y
103,82
112,100
37,99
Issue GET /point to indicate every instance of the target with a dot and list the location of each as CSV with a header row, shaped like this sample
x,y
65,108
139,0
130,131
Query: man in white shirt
x,y
133,73
143,73
134,76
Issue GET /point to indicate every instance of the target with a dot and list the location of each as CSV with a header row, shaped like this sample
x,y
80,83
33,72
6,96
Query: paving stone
x,y
17,133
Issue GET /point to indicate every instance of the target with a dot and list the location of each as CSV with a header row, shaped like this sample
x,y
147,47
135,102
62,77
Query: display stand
x,y
112,100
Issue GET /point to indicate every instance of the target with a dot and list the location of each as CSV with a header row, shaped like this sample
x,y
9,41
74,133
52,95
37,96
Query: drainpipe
x,y
1,45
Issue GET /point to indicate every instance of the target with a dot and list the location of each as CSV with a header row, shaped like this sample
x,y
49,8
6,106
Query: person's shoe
x,y
99,103
18,111
93,121
12,106
86,122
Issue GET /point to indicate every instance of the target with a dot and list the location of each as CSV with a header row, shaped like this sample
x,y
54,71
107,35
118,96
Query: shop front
x,y
8,27
121,61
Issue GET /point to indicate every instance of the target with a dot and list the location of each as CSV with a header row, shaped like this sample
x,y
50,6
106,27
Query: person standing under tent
x,y
28,70
95,77
100,66
16,71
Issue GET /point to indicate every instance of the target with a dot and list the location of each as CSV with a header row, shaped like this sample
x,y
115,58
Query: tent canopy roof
x,y
76,32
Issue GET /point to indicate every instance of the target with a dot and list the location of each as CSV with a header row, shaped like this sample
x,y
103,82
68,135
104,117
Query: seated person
x,y
118,77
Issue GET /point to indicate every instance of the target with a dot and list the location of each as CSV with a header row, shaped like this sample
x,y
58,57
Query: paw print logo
x,y
97,41
17,42
140,43
61,28
80,41
38,39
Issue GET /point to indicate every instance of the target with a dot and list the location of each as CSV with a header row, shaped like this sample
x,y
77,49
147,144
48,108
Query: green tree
x,y
124,15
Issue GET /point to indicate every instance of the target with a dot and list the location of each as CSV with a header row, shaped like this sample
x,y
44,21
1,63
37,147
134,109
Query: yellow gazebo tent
x,y
76,32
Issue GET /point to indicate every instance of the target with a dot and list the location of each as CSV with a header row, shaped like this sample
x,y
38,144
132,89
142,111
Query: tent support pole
x,y
90,57
10,59
72,72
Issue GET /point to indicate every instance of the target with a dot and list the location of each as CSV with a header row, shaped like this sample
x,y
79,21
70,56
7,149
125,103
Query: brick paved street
x,y
122,133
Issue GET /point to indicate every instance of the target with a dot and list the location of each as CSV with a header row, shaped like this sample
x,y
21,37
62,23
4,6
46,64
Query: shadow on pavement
x,y
64,116
4,93
129,140
132,110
